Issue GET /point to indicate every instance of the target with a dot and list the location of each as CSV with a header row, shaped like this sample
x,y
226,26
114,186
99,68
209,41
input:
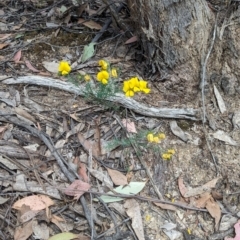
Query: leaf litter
x,y
105,170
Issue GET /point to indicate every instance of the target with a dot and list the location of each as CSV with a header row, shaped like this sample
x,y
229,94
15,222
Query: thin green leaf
x,y
88,52
64,236
131,188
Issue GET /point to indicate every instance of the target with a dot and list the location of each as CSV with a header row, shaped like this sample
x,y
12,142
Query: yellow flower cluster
x,y
168,154
133,85
155,138
105,72
103,64
103,77
64,68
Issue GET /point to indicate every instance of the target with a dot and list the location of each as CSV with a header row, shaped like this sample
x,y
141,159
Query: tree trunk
x,y
174,33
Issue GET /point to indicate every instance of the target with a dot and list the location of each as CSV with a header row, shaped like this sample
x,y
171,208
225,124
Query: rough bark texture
x,y
174,33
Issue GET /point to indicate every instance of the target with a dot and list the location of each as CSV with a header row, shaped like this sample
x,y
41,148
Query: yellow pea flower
x,y
134,84
64,68
166,156
150,137
171,151
156,139
103,64
161,136
87,77
129,93
127,89
143,87
104,81
103,76
114,72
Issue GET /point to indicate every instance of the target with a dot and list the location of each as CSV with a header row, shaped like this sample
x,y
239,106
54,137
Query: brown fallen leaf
x,y
217,195
181,186
23,232
214,210
166,206
25,114
130,126
97,137
88,146
132,40
77,189
17,56
202,201
82,172
117,177
27,214
4,36
204,188
3,45
35,202
134,212
29,65
90,24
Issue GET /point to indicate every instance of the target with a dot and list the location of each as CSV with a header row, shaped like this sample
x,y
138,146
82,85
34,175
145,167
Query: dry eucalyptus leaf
x,y
23,113
35,202
3,200
17,56
222,136
236,120
204,188
220,101
90,24
202,201
117,177
30,66
77,189
134,212
23,232
214,210
178,131
101,177
181,186
130,126
51,66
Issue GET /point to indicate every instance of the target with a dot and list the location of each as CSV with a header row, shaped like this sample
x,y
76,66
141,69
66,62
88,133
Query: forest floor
x,y
192,195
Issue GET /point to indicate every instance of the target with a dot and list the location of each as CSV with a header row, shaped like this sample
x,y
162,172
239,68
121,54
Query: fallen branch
x,y
186,113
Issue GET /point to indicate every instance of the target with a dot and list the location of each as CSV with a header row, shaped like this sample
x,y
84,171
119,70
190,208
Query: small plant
x,y
105,87
141,140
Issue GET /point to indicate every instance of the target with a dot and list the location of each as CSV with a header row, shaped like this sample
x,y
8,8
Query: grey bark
x,y
174,33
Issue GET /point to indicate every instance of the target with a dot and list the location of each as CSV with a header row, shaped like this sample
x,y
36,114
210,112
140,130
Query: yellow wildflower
x,y
150,137
147,218
166,156
103,77
143,87
87,77
134,83
64,68
114,72
103,64
161,136
104,81
171,151
156,139
189,231
127,89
